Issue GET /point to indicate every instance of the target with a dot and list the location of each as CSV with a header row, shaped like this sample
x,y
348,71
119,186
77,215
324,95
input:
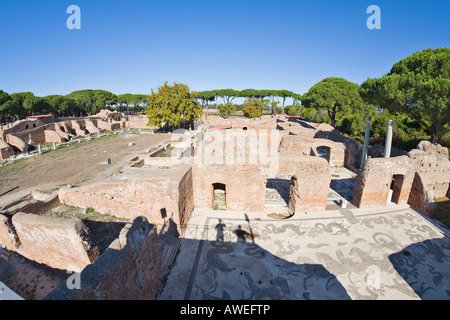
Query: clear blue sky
x,y
136,45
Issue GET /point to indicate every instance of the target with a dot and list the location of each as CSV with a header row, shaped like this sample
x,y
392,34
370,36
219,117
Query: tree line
x,y
228,95
415,93
79,103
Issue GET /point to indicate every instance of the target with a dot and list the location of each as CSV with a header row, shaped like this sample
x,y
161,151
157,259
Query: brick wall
x,y
373,184
60,243
130,269
310,183
245,186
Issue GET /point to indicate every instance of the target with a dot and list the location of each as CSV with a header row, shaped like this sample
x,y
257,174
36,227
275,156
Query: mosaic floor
x,y
387,253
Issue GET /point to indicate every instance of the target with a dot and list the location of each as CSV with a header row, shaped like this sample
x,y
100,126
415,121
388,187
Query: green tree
x,y
274,106
139,101
205,97
418,86
125,99
266,106
334,95
171,105
226,109
103,99
84,100
252,108
228,95
293,110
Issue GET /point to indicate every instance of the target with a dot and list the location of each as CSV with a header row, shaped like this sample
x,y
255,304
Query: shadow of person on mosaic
x,y
424,266
236,267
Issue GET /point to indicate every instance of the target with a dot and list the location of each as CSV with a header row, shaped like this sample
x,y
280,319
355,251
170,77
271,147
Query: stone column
x,y
366,143
39,149
387,144
54,145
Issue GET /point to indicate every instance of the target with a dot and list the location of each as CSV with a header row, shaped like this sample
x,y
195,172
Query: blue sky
x,y
135,45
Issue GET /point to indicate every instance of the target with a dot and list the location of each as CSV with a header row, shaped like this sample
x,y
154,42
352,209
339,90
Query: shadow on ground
x,y
241,269
425,267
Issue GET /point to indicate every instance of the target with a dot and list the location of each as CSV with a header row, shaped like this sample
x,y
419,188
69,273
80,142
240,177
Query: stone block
x,y
57,242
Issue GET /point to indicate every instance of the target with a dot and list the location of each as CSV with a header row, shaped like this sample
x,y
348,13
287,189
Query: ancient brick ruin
x,y
18,136
226,164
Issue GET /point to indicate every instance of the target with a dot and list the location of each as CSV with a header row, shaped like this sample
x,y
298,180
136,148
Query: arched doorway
x,y
324,152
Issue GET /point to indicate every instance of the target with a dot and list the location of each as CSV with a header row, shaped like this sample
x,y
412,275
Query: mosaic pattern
x,y
378,255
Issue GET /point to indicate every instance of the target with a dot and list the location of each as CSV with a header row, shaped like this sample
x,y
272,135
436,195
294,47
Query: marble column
x,y
366,142
388,143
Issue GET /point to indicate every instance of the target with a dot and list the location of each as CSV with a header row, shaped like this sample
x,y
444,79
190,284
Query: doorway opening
x,y
324,152
395,188
219,196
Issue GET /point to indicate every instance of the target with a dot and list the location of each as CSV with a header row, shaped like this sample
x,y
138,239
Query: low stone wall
x,y
137,122
125,198
108,126
148,192
130,269
60,243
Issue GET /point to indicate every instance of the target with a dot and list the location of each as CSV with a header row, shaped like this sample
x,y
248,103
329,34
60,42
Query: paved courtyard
x,y
386,253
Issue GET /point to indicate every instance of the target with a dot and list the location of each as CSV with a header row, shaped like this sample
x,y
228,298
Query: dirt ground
x,y
30,280
76,164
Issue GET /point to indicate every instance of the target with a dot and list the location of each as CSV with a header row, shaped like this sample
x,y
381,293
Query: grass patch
x,y
103,228
66,211
17,165
442,211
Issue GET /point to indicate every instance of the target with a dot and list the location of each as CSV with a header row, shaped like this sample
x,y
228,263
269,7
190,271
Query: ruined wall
x,y
130,269
15,141
53,136
432,176
109,126
8,236
5,150
245,186
76,128
305,146
310,183
145,193
137,122
61,129
89,125
374,183
60,243
20,126
353,149
185,198
125,198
